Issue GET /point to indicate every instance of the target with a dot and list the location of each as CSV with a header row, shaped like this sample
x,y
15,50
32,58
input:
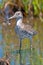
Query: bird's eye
x,y
18,13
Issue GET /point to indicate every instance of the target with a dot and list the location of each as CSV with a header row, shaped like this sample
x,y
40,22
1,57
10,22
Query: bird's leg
x,y
20,51
31,44
30,49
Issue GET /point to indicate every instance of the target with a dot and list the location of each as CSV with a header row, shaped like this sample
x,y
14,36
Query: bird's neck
x,y
19,22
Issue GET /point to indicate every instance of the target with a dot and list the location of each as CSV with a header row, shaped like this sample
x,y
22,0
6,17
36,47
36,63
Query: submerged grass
x,y
35,57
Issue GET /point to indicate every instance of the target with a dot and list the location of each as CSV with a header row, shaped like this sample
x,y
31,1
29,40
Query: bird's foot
x,y
4,23
8,23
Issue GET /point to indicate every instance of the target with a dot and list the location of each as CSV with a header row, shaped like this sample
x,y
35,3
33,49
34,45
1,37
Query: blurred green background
x,y
11,44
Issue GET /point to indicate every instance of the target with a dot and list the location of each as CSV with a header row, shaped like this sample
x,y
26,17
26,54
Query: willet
x,y
23,30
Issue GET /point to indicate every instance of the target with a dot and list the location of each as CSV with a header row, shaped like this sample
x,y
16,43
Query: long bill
x,y
11,17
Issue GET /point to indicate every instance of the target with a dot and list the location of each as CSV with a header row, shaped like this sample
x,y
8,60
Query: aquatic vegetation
x,y
2,3
25,2
9,42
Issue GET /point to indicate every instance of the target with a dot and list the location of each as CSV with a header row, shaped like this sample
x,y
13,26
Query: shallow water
x,y
9,44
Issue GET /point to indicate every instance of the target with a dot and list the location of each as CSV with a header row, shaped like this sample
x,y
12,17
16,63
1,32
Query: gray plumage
x,y
22,29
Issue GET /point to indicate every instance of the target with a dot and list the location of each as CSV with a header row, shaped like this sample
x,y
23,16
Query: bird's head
x,y
17,15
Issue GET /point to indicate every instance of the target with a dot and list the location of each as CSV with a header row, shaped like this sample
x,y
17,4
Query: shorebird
x,y
7,10
6,15
23,30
